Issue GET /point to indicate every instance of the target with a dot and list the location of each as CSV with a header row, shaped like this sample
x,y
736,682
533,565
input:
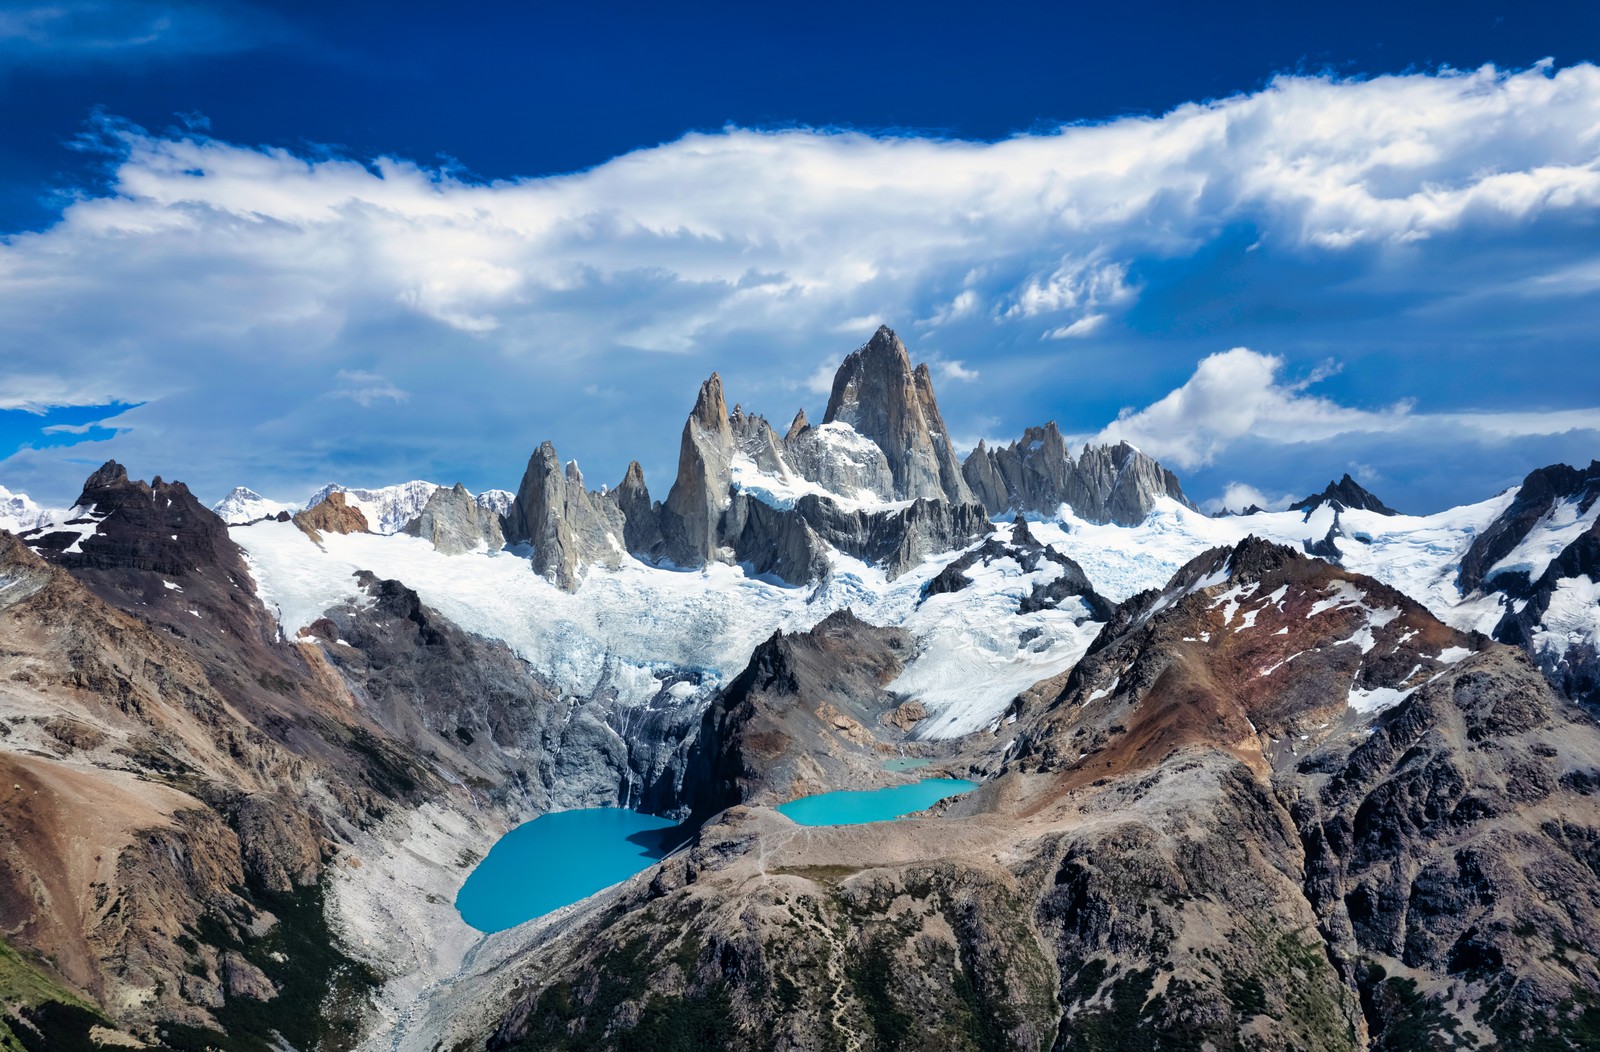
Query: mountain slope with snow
x,y
244,505
20,513
387,510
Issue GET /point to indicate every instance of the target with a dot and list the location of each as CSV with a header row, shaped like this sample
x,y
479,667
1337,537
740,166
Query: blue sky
x,y
283,244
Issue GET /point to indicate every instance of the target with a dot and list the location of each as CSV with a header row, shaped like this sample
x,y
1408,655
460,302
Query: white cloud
x,y
1084,326
954,370
219,283
821,379
1237,394
1238,496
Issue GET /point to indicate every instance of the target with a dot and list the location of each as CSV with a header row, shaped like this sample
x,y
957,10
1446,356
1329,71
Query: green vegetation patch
x,y
577,1017
37,1013
321,991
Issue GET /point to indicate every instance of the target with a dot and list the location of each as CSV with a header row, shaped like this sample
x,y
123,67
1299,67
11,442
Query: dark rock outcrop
x,y
1347,493
1535,499
1029,555
1571,663
808,713
641,519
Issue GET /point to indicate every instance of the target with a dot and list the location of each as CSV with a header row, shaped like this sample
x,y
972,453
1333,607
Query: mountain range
x,y
1321,778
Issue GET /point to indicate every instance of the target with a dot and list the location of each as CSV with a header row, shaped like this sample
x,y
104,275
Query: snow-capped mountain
x,y
387,510
246,505
496,500
375,689
19,512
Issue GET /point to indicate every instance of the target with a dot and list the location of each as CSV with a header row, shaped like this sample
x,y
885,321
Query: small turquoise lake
x,y
855,807
559,858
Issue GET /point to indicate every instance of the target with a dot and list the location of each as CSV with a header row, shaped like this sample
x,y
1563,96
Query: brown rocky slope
x,y
1277,806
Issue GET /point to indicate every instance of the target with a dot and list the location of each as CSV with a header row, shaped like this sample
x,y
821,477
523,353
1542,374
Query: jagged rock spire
x,y
1346,493
1116,483
877,392
796,427
641,529
693,510
566,525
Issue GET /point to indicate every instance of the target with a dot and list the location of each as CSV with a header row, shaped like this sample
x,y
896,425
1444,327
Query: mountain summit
x,y
1347,494
879,394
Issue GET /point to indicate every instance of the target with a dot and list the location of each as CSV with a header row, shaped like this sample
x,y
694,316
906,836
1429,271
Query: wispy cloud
x,y
73,31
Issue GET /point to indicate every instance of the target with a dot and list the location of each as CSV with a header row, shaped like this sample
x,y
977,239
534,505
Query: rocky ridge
x,y
1037,475
877,480
1212,832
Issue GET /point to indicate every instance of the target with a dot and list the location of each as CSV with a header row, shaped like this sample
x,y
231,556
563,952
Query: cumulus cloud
x,y
1237,394
1240,496
219,283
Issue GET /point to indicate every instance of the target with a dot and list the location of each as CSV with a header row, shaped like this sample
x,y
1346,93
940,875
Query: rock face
x,y
331,515
161,820
641,519
567,525
182,785
1031,474
454,523
840,460
1036,474
1537,498
473,705
807,715
1346,493
691,516
786,542
884,400
1120,484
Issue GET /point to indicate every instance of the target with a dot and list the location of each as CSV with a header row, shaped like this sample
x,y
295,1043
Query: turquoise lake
x,y
854,807
559,858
